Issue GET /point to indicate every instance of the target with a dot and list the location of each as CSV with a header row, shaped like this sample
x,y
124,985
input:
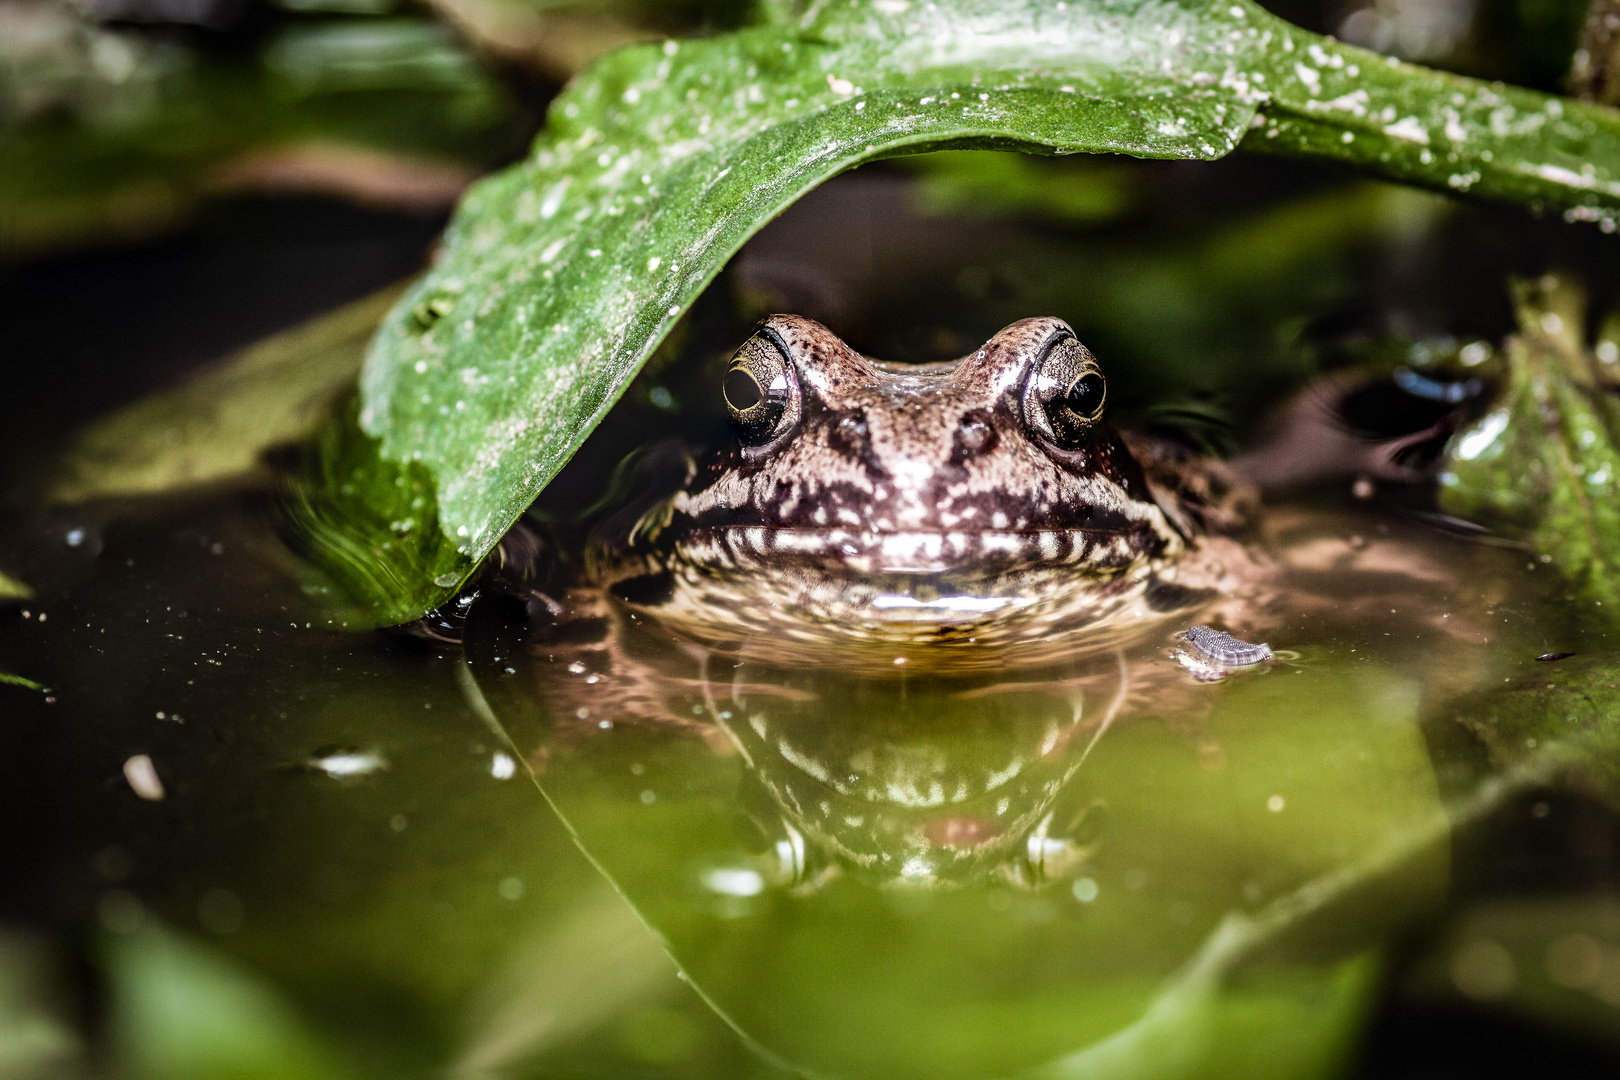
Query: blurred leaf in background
x,y
38,1039
1543,465
557,39
974,184
1549,955
1218,308
182,1012
217,425
110,131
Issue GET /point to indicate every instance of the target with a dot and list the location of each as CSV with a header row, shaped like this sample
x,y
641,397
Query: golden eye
x,y
1065,392
742,391
758,389
1085,397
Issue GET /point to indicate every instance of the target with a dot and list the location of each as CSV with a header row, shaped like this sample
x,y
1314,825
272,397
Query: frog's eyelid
x,y
1057,337
1044,390
778,385
1035,373
781,381
770,333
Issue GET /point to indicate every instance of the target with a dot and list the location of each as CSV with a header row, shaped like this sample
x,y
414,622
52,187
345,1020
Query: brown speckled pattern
x,y
907,508
877,453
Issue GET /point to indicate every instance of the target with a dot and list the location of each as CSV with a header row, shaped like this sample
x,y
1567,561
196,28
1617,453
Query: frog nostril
x,y
974,436
851,433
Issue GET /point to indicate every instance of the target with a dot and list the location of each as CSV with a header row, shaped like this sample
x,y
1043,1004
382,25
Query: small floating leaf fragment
x,y
143,778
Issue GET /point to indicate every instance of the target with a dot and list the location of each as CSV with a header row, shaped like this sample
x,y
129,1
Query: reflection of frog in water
x,y
876,536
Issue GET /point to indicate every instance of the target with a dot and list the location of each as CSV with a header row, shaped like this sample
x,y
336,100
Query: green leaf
x,y
216,426
9,679
1543,466
1555,716
386,554
1548,727
561,275
181,1011
12,589
1441,131
1207,926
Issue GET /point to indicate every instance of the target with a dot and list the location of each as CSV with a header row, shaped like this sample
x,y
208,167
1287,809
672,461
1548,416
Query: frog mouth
x,y
883,602
910,553
904,603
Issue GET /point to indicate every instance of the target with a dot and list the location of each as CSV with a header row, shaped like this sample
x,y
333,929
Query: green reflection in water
x,y
400,903
1097,870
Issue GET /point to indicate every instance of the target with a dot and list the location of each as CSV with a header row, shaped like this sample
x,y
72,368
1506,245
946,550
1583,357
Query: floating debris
x,y
1216,654
730,881
143,777
346,763
1199,668
1224,649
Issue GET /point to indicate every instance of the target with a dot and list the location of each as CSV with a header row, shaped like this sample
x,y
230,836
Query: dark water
x,y
1106,863
242,833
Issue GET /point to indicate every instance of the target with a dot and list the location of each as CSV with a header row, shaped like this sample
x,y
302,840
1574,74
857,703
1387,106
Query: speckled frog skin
x,y
910,600
874,515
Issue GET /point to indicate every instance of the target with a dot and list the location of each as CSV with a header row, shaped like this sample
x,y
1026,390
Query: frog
x,y
950,515
976,534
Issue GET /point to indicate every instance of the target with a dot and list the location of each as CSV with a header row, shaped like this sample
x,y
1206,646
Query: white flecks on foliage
x,y
1408,129
1586,178
1355,103
666,157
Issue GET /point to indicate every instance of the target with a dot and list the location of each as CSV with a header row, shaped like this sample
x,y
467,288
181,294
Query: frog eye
x,y
1065,393
758,389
